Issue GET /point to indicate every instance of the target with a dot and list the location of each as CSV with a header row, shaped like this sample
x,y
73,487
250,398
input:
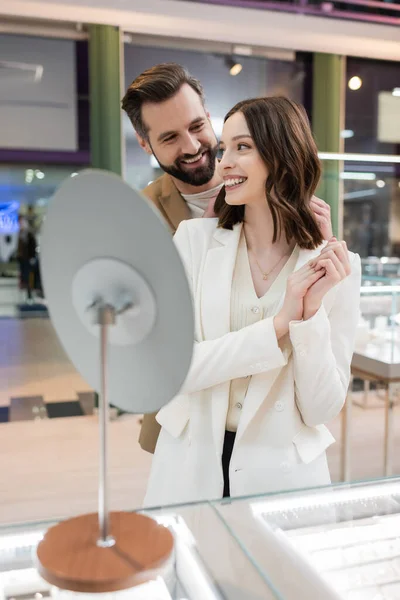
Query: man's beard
x,y
195,177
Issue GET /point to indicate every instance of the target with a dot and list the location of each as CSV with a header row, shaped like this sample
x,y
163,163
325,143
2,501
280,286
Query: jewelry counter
x,y
376,359
207,563
340,542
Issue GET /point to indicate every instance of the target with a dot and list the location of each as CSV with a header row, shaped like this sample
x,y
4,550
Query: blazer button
x,y
279,406
301,349
255,310
239,405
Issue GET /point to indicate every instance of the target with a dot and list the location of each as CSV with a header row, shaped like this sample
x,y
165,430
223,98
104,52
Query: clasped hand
x,y
307,287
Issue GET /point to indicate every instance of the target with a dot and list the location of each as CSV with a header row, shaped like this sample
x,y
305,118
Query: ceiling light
x,y
39,174
396,91
29,174
234,66
243,50
359,194
347,133
380,183
358,176
235,69
355,83
380,158
21,70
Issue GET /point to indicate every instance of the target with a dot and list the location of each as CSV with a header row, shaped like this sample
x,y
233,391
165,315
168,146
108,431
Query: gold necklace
x,y
266,274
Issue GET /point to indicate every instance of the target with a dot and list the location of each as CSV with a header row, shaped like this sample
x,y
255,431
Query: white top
x,y
246,309
198,203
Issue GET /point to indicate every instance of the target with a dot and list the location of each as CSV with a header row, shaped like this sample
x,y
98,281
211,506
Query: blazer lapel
x,y
215,310
174,206
217,282
260,385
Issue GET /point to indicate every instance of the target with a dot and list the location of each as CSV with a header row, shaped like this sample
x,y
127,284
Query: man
x,y
166,106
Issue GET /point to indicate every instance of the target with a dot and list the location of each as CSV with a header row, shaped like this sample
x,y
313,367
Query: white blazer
x,y
277,447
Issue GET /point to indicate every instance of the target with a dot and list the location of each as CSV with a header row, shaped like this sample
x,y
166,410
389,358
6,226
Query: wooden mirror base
x,y
70,558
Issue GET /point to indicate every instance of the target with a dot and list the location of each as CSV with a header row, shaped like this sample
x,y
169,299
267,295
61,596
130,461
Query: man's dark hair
x,y
157,84
282,135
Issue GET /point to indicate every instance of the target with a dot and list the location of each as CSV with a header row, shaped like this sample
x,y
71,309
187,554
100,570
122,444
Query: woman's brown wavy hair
x,y
282,135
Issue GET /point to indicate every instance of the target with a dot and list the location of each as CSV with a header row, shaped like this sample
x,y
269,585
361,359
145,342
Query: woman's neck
x,y
259,232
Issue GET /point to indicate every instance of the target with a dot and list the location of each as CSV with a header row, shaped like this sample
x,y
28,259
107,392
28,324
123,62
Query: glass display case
x,y
378,333
376,360
385,266
208,563
339,542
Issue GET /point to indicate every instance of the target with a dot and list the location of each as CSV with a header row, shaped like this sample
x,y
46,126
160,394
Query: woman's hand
x,y
334,265
322,214
297,287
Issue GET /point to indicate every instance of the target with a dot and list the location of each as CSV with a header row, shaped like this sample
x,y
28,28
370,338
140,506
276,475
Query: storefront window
x,y
371,191
372,123
25,192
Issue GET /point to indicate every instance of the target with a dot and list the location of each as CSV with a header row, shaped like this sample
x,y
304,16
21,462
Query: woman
x,y
276,311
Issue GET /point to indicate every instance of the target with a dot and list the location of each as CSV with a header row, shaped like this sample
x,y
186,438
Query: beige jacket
x,y
165,196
